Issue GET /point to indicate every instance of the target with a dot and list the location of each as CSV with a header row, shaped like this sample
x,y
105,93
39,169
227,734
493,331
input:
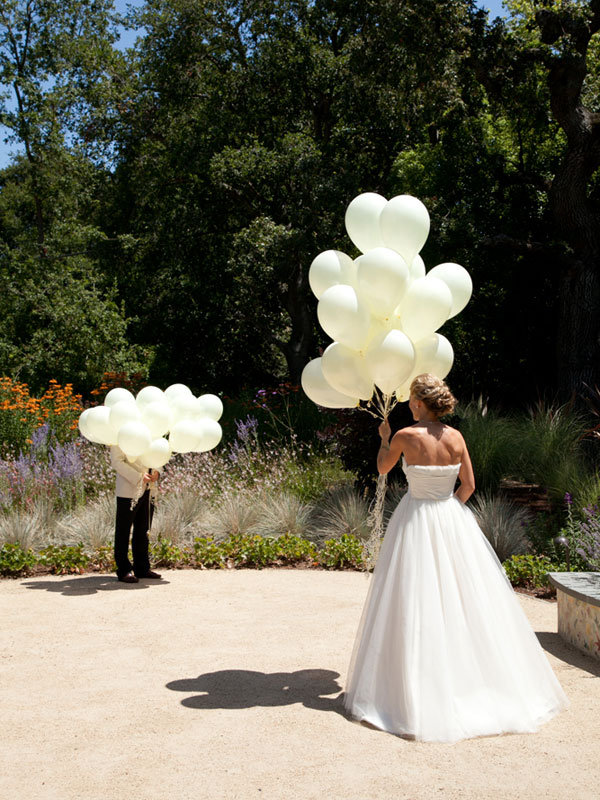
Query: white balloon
x,y
134,438
185,435
98,424
343,317
210,435
118,395
149,394
433,354
382,278
84,426
404,224
458,280
417,268
157,455
425,307
390,359
362,220
184,406
319,391
346,371
209,405
329,269
158,417
175,390
122,412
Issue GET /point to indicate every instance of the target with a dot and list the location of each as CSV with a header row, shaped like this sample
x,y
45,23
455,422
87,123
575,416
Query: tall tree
x,y
58,70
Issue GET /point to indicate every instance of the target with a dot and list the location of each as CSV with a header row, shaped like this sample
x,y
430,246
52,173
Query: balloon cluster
x,y
382,309
139,425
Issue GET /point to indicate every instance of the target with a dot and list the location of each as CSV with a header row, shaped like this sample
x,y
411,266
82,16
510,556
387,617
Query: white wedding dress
x,y
444,651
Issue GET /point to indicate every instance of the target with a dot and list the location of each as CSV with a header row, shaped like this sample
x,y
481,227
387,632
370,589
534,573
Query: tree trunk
x,y
298,349
577,217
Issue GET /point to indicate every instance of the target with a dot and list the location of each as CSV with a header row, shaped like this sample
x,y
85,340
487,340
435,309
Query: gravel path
x,y
226,684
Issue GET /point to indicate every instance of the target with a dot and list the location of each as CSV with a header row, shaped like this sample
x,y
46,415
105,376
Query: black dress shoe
x,y
129,578
151,574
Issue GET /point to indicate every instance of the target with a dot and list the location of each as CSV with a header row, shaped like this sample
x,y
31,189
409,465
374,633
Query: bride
x,y
443,651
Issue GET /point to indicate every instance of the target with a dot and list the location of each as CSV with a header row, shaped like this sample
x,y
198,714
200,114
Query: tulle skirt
x,y
444,651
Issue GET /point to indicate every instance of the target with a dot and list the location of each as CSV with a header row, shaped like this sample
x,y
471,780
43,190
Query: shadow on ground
x,y
77,585
240,688
552,643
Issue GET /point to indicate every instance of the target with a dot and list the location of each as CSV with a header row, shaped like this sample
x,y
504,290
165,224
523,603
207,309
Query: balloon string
x,y
384,404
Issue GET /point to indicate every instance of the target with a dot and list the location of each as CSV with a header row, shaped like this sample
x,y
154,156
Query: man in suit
x,y
135,491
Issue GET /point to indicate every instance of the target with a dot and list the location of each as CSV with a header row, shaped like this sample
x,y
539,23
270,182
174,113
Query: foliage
x,y
163,553
64,559
587,538
530,570
14,560
503,523
20,413
345,552
342,512
492,444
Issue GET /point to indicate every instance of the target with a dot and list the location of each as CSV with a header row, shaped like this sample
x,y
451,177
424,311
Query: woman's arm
x,y
389,452
466,476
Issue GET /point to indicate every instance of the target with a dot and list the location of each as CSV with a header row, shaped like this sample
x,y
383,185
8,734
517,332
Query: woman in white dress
x,y
443,651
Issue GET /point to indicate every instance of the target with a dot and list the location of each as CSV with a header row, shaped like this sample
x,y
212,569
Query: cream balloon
x,y
458,280
176,390
185,435
157,455
404,224
417,268
382,278
210,433
210,406
84,426
329,269
118,395
390,359
346,371
343,317
149,394
319,391
122,412
362,220
158,417
98,424
425,307
184,406
433,354
134,438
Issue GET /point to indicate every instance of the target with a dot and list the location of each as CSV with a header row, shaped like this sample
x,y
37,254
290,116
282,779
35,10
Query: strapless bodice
x,y
430,482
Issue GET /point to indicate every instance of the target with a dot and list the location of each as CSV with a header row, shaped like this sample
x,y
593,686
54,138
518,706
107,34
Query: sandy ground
x,y
227,684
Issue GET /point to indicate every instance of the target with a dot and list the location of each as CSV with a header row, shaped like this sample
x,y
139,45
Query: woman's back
x,y
431,444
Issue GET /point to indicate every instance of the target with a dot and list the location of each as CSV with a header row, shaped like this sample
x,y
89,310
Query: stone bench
x,y
578,597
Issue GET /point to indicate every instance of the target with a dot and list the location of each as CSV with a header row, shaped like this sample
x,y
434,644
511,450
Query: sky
x,y
6,150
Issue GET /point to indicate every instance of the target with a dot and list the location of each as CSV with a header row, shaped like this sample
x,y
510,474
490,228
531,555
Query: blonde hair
x,y
434,393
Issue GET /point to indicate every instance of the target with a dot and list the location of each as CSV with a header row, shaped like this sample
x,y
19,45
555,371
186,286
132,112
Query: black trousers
x,y
140,517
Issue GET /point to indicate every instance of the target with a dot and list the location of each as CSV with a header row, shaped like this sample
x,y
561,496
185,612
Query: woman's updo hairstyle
x,y
434,393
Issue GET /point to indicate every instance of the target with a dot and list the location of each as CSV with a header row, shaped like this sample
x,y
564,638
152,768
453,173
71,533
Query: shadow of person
x,y
554,644
77,585
240,688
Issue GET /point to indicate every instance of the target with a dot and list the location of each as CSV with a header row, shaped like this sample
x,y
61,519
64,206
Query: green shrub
x,y
207,553
163,553
310,478
294,549
531,570
347,551
14,560
64,559
492,442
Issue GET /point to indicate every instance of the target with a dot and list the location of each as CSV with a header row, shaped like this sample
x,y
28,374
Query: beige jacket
x,y
129,475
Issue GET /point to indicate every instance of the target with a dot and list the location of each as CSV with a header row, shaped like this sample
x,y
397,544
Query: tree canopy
x,y
170,199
